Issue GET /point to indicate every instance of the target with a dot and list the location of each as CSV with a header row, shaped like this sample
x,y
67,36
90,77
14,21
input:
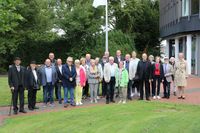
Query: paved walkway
x,y
192,94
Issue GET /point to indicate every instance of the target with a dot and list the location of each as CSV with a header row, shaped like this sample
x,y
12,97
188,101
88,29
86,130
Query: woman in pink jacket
x,y
80,82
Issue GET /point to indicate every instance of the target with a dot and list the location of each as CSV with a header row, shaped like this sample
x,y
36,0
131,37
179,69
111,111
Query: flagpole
x,y
106,43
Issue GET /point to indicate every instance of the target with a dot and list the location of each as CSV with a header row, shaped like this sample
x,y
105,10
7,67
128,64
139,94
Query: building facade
x,y
180,30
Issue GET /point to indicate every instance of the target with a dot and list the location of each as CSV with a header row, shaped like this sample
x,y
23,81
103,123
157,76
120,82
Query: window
x,y
195,6
185,7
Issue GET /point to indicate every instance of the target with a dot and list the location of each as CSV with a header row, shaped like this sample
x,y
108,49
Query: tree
x,y
139,18
24,24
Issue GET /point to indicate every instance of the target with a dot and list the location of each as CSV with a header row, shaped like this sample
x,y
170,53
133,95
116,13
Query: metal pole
x,y
106,25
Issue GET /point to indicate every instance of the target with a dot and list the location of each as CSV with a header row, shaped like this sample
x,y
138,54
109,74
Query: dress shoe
x,y
140,99
164,97
183,97
22,111
180,97
107,102
73,104
113,101
148,99
31,109
66,105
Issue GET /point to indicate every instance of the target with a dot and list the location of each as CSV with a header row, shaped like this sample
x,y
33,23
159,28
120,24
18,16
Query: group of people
x,y
118,77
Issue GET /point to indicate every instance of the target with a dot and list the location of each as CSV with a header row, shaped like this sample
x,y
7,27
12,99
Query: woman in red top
x,y
157,76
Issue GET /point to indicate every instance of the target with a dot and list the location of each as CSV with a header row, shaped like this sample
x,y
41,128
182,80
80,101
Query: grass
x,y
134,117
5,94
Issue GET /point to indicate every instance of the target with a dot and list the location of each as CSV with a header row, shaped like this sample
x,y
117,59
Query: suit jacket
x,y
43,78
116,59
14,80
169,72
60,75
107,71
133,68
67,74
161,71
31,82
140,71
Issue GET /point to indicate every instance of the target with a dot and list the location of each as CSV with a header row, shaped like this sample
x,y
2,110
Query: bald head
x,y
59,62
144,56
48,62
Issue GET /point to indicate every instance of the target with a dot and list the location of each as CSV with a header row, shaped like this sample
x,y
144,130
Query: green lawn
x,y
134,117
5,94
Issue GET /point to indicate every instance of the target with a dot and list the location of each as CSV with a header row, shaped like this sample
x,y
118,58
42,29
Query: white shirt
x,y
119,58
18,68
60,68
112,72
35,75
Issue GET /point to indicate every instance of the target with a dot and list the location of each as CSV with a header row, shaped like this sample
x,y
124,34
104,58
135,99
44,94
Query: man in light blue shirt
x,y
48,78
48,72
109,77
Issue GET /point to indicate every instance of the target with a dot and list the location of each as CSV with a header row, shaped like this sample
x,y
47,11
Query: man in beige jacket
x,y
109,77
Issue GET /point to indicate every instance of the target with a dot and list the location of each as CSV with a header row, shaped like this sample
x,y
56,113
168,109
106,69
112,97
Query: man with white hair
x,y
69,81
48,78
109,77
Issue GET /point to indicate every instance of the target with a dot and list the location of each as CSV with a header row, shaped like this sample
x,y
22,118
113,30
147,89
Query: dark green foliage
x,y
26,30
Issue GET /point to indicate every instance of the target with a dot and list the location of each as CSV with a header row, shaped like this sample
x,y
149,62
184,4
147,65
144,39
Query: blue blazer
x,y
67,74
43,78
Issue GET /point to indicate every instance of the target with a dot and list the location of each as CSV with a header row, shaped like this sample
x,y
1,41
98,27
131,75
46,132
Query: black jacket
x,y
116,59
161,71
15,78
31,83
140,71
60,76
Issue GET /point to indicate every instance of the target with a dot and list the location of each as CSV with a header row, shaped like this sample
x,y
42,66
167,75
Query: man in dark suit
x,y
69,81
16,80
144,74
32,83
118,57
60,78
